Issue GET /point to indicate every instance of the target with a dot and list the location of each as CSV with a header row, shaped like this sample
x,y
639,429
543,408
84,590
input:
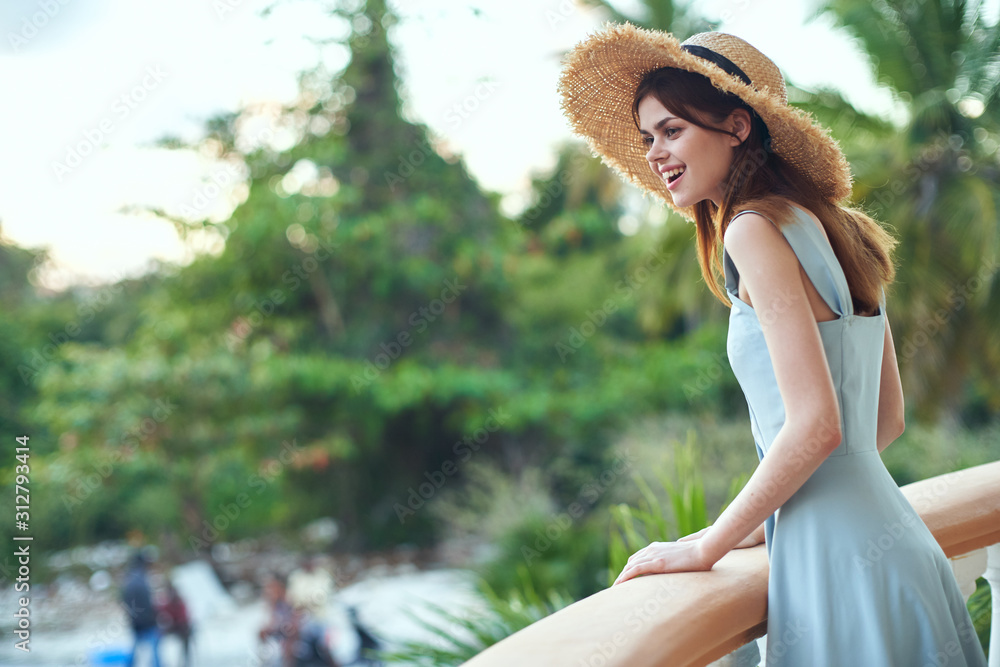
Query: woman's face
x,y
693,161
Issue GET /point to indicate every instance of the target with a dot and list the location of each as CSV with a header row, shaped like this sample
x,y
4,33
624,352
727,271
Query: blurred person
x,y
138,600
309,644
173,619
279,627
310,587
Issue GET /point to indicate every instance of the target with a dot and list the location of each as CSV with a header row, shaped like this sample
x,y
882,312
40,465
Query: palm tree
x,y
935,181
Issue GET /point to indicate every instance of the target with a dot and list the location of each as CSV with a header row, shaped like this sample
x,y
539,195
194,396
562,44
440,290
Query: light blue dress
x,y
856,578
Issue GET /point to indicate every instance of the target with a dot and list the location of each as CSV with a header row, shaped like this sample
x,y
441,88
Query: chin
x,y
680,201
683,200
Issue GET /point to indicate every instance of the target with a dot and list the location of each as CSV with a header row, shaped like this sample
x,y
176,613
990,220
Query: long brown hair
x,y
759,179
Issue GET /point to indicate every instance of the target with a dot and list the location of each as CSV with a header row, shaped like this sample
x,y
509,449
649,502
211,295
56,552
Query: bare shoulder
x,y
751,238
766,263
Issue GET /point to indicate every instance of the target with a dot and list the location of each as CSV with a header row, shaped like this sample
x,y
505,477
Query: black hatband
x,y
727,65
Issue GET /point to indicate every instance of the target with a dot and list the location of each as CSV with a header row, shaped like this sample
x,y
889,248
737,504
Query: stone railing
x,y
695,618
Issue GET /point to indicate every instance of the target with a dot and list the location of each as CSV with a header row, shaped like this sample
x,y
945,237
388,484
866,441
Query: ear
x,y
739,124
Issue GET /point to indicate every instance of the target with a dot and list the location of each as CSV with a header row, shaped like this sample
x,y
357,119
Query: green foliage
x,y
532,536
557,551
981,610
633,528
687,493
458,637
924,451
25,318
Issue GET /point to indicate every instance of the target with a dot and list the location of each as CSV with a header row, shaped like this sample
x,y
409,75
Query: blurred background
x,y
311,291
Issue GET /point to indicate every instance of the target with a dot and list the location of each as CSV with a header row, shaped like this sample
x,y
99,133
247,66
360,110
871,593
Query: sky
x,y
90,87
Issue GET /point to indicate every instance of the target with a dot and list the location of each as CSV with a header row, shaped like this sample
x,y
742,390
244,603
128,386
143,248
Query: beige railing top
x,y
693,618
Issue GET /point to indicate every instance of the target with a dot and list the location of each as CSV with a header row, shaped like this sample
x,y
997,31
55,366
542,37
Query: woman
x,y
856,578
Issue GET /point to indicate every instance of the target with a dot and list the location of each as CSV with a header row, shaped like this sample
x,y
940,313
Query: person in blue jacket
x,y
137,597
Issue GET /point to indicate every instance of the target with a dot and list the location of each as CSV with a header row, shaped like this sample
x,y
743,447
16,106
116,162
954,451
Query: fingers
x,y
664,557
641,553
640,556
639,567
646,560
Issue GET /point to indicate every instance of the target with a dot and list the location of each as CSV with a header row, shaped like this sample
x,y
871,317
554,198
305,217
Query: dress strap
x,y
816,257
732,275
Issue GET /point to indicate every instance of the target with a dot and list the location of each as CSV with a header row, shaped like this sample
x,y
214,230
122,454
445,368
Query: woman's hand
x,y
684,555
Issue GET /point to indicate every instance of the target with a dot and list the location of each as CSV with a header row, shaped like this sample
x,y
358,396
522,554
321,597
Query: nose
x,y
656,152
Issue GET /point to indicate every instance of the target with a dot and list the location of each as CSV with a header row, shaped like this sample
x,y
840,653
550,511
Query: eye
x,y
671,131
646,141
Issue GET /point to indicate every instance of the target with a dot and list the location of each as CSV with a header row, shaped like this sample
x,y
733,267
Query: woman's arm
x,y
890,395
768,266
752,540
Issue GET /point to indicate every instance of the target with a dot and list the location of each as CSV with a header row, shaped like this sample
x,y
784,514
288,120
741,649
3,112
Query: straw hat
x,y
601,73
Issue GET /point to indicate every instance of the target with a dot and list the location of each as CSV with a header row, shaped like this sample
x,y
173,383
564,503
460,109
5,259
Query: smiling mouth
x,y
671,176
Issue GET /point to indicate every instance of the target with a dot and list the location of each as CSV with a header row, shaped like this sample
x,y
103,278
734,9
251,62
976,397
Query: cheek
x,y
718,166
724,154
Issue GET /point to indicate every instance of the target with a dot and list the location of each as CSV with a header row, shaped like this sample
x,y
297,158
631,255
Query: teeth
x,y
673,172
